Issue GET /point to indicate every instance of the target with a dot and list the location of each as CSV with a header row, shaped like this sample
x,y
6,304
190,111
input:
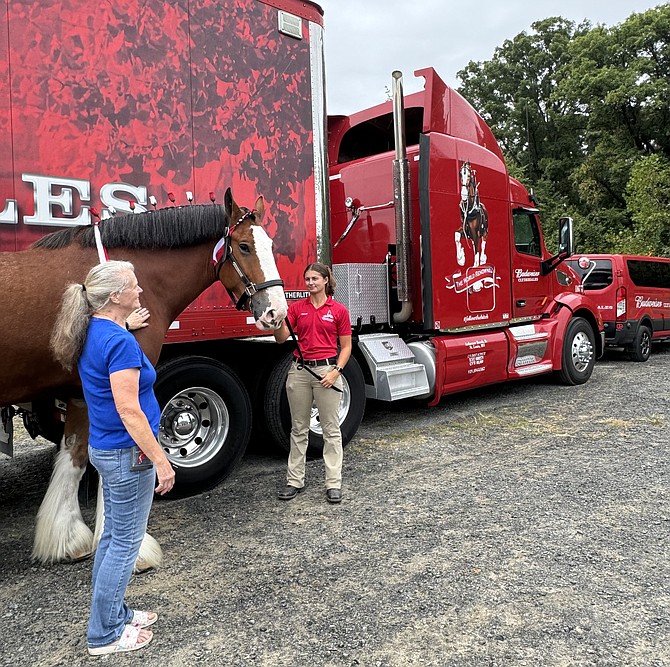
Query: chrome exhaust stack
x,y
401,201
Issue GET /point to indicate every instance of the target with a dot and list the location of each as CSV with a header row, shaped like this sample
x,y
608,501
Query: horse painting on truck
x,y
474,218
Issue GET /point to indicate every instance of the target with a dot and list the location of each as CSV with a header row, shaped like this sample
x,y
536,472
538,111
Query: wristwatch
x,y
339,369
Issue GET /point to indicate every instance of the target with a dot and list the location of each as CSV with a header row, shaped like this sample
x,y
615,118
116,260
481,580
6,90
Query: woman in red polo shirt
x,y
320,323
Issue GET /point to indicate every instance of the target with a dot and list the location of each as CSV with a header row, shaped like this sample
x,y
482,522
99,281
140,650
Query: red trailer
x,y
116,106
438,253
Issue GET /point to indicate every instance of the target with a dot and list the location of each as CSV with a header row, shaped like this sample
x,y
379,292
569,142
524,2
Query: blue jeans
x,y
127,497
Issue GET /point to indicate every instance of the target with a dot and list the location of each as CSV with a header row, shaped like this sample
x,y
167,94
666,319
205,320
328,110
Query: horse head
x,y
245,265
465,173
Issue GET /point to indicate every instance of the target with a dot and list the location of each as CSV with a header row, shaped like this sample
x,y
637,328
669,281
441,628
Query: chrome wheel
x,y
193,427
345,403
581,351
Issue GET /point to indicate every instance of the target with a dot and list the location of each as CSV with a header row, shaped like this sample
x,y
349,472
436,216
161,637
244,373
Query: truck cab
x,y
484,293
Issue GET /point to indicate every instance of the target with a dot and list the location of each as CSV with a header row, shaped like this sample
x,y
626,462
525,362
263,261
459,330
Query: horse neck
x,y
172,279
472,193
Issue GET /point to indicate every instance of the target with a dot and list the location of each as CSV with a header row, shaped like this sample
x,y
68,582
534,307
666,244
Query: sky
x,y
367,39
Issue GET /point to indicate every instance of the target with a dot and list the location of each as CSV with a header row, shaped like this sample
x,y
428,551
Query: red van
x,y
633,297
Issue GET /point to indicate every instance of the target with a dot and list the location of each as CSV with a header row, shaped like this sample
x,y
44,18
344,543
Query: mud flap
x,y
7,430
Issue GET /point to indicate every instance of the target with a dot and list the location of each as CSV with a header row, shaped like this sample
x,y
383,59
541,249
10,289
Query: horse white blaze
x,y
60,532
277,308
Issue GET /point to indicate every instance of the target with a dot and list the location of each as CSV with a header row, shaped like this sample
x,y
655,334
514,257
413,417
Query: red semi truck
x,y
438,252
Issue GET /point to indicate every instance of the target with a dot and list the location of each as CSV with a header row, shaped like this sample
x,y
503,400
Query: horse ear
x,y
259,207
228,202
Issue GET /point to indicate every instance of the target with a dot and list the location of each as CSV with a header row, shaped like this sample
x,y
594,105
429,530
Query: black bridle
x,y
226,254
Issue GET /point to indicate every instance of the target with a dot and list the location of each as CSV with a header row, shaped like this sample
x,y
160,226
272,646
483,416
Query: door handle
x,y
520,303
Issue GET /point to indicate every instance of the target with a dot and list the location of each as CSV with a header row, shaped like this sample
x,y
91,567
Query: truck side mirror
x,y
566,239
566,244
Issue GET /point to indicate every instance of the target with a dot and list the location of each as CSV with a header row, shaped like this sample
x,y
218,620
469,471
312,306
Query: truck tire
x,y
43,421
205,421
579,353
278,414
640,350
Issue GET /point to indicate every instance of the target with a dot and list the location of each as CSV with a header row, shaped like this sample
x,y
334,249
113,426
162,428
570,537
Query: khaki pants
x,y
303,389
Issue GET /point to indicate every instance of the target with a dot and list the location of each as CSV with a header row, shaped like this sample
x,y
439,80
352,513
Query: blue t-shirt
x,y
109,348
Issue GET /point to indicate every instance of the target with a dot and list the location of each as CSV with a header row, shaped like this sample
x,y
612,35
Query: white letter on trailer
x,y
9,214
46,200
109,199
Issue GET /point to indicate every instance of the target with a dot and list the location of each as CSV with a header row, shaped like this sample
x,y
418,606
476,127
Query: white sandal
x,y
143,619
128,641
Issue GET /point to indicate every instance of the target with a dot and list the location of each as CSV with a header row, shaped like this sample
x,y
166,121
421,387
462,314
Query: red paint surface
x,y
172,96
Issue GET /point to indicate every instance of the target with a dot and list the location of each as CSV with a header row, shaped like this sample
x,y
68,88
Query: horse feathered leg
x,y
460,253
60,532
150,556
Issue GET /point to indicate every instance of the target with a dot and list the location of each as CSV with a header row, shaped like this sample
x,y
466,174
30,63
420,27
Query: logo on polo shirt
x,y
328,317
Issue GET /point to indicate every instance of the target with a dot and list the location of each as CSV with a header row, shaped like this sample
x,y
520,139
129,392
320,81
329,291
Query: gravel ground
x,y
526,524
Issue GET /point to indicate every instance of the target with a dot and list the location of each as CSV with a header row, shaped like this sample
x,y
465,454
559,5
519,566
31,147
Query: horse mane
x,y
177,227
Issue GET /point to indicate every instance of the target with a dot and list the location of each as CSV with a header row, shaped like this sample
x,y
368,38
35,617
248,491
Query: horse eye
x,y
245,249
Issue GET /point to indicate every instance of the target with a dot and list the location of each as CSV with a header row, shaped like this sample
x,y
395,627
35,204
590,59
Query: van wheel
x,y
278,413
579,356
205,421
640,350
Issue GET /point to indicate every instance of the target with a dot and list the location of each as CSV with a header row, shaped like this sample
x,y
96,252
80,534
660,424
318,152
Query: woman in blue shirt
x,y
118,380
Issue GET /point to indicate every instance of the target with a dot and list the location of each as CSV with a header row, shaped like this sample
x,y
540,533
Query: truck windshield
x,y
597,277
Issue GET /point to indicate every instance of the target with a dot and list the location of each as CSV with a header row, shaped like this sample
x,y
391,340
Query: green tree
x,y
537,131
648,199
619,81
576,109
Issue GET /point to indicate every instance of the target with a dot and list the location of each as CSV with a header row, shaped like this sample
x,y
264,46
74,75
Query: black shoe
x,y
334,496
289,492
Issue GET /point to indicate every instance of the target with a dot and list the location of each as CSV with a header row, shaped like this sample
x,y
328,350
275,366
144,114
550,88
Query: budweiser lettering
x,y
642,302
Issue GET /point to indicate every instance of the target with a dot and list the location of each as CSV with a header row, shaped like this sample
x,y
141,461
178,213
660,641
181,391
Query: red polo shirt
x,y
318,329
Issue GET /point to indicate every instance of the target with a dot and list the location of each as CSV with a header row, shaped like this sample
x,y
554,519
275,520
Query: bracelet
x,y
127,326
339,369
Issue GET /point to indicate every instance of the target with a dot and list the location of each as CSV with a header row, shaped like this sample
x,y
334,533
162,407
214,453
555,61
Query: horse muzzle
x,y
269,308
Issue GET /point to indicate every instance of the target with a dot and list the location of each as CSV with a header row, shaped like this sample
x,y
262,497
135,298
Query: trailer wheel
x,y
579,356
205,421
43,421
640,350
278,413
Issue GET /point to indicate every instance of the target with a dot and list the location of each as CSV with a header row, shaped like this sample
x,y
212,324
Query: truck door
x,y
464,270
530,289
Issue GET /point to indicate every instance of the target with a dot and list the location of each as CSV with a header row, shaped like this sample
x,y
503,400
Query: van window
x,y
527,233
598,277
649,273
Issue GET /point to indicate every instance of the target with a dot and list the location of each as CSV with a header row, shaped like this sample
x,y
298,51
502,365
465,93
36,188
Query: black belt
x,y
316,362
